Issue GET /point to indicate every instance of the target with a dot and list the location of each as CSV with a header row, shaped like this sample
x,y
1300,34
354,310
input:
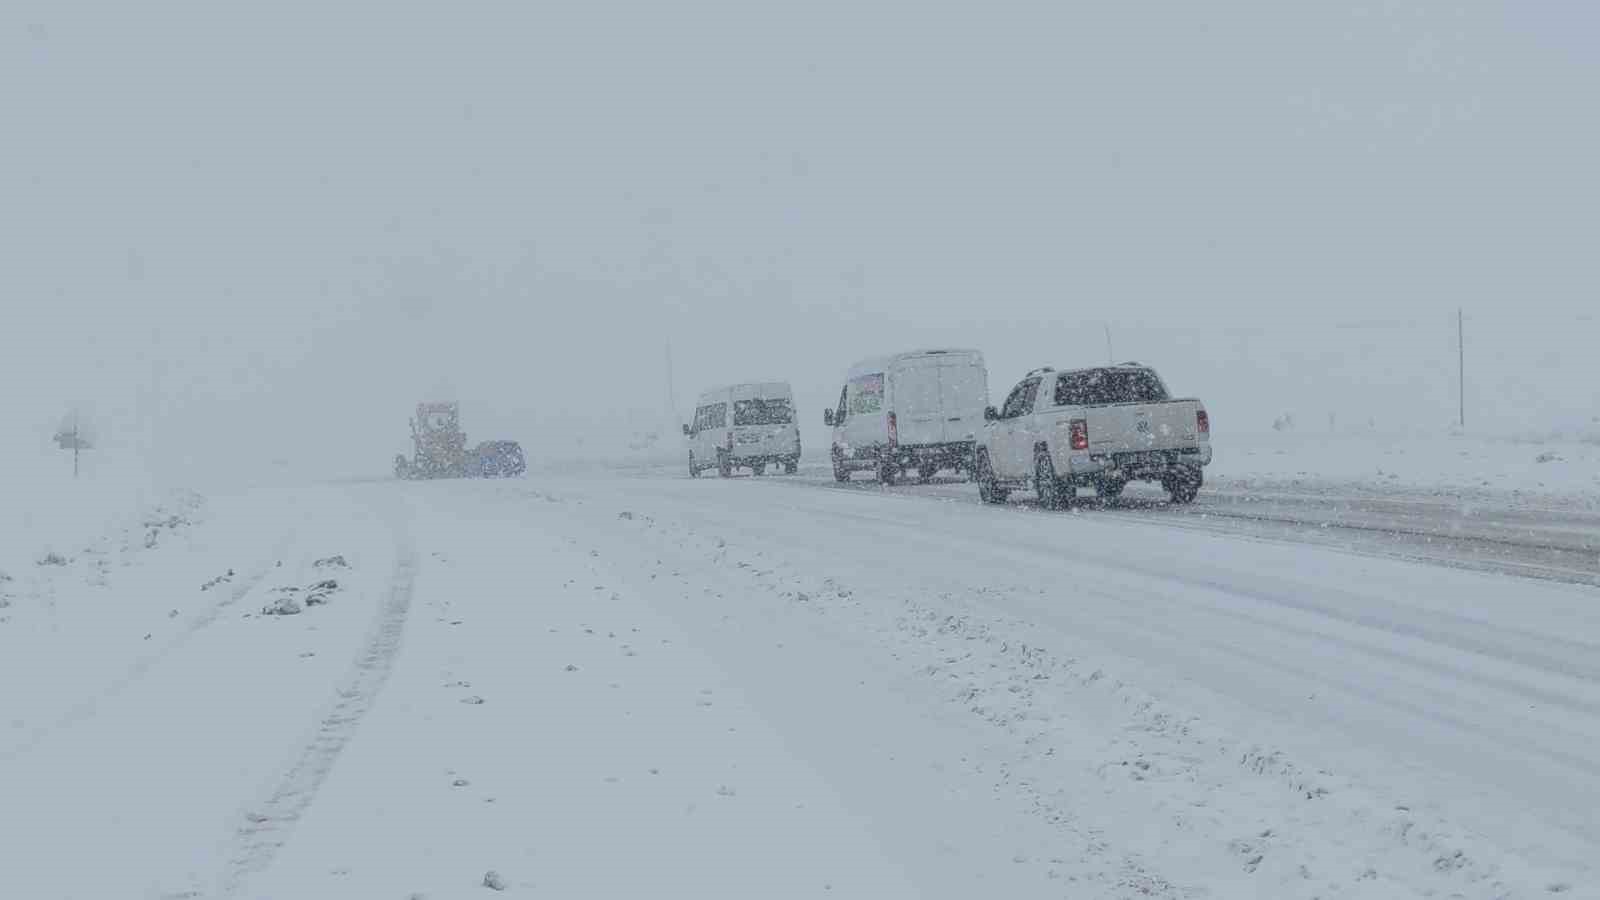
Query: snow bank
x,y
1558,463
48,511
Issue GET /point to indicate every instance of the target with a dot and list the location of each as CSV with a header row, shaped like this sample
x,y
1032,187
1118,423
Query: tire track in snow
x,y
269,823
86,709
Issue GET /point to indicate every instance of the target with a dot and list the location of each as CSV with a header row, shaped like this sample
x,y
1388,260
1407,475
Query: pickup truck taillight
x,y
894,432
1080,434
1202,422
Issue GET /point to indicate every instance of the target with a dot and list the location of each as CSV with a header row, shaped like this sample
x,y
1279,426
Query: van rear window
x,y
1101,387
772,411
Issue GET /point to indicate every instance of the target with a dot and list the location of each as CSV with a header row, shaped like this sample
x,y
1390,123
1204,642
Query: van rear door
x,y
964,392
918,401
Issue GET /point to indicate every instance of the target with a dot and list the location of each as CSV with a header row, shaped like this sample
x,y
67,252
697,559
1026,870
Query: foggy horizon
x,y
218,222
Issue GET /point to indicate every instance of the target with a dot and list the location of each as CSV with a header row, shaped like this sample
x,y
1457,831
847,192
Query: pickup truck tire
x,y
988,490
887,471
840,473
724,465
927,472
1183,484
791,466
759,468
1052,493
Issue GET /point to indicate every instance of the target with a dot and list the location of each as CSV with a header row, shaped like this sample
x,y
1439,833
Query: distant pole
x,y
76,444
672,395
1111,358
1461,363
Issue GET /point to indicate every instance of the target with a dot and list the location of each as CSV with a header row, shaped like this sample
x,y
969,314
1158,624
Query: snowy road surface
x,y
1547,536
624,684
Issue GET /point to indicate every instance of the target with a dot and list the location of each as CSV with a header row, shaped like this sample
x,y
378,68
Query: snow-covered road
x,y
633,684
1548,535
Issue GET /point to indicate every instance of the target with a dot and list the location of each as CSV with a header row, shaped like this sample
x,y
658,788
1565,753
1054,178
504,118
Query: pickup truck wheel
x,y
840,473
927,472
988,490
887,471
759,468
1052,493
1183,485
724,465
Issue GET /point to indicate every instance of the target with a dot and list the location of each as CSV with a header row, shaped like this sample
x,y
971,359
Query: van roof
x,y
875,364
747,389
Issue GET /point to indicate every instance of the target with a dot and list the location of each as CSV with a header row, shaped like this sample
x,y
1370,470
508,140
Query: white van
x,y
921,410
744,425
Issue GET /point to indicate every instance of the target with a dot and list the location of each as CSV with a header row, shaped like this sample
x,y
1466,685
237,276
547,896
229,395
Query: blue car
x,y
498,459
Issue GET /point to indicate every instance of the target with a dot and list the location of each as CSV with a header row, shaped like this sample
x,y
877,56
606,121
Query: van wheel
x,y
724,465
1183,484
694,470
988,490
791,466
887,471
759,468
1052,493
927,472
840,473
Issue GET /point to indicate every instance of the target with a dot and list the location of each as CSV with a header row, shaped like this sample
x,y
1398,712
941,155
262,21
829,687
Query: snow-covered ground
x,y
1562,465
621,682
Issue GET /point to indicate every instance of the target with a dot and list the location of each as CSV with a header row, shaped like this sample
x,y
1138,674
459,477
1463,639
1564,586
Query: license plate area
x,y
1148,459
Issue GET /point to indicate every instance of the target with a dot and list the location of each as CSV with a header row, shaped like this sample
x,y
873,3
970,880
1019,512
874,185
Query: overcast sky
x,y
275,227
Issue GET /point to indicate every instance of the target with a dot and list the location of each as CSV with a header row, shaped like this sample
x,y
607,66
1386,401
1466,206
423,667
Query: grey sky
x,y
220,216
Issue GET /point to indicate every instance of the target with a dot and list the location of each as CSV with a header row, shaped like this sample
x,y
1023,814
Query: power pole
x,y
77,444
1111,358
1461,364
672,395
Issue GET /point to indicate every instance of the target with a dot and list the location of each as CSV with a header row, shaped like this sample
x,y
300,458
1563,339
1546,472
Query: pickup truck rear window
x,y
1101,387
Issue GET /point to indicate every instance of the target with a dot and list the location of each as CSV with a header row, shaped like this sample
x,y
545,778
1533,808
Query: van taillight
x,y
894,431
1080,434
1203,422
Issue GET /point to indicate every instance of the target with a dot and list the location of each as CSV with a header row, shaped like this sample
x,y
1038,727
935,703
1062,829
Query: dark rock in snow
x,y
493,881
473,700
285,605
52,559
331,562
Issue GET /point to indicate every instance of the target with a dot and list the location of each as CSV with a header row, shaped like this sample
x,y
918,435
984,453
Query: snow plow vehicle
x,y
439,449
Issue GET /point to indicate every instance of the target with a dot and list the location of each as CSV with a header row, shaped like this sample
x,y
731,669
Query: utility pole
x,y
672,395
1111,358
1461,363
77,444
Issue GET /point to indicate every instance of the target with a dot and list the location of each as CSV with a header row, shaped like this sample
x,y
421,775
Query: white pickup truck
x,y
1099,428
